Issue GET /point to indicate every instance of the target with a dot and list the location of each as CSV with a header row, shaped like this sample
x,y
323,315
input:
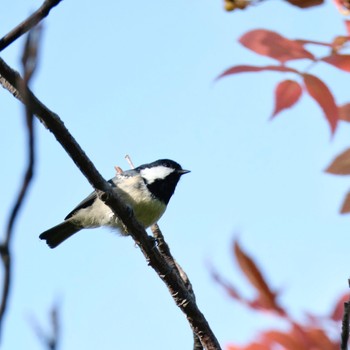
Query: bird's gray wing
x,y
88,200
83,204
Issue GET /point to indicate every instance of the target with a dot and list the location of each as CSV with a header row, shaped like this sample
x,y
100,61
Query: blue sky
x,y
138,79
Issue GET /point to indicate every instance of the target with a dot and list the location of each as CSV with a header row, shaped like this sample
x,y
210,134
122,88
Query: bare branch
x,y
128,159
165,252
6,260
182,297
29,60
48,339
197,345
345,325
28,24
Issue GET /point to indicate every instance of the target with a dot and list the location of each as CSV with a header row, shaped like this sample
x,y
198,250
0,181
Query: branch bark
x,y
182,297
345,327
29,62
28,24
164,250
49,339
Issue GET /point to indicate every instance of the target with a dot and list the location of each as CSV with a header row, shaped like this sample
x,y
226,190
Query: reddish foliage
x,y
230,290
337,313
313,334
266,298
341,164
288,340
305,3
313,42
343,6
252,346
344,112
274,45
319,91
339,42
297,337
339,61
312,338
287,93
347,25
346,204
249,69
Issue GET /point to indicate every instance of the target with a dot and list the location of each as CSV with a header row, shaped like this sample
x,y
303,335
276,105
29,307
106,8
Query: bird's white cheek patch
x,y
156,173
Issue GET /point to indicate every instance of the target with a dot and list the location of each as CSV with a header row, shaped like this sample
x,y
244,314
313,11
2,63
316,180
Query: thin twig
x,y
128,159
28,24
29,61
183,299
49,339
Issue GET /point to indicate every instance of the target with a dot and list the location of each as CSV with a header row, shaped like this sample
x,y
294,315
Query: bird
x,y
146,190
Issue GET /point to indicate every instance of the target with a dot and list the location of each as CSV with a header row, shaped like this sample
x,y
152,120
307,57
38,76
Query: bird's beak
x,y
183,171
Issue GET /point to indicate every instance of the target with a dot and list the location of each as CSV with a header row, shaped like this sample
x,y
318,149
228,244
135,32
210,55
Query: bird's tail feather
x,y
57,234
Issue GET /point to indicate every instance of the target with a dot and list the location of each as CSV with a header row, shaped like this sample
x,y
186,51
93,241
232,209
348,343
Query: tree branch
x,y
49,339
182,297
28,24
29,61
345,325
164,250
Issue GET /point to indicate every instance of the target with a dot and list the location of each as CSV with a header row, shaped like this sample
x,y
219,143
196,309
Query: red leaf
x,y
287,93
339,42
346,205
266,298
339,61
250,269
274,45
347,25
321,43
248,69
337,314
344,112
319,91
231,290
318,339
341,164
343,6
252,346
286,340
305,3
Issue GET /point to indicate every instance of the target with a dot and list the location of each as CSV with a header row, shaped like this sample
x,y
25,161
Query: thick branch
x,y
28,24
177,288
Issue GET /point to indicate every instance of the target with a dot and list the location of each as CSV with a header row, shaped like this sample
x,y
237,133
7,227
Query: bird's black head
x,y
161,177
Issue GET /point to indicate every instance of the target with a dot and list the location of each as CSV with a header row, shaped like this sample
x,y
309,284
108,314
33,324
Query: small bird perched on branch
x,y
146,189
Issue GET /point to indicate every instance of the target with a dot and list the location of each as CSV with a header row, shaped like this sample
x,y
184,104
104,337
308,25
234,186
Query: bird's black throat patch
x,y
163,189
